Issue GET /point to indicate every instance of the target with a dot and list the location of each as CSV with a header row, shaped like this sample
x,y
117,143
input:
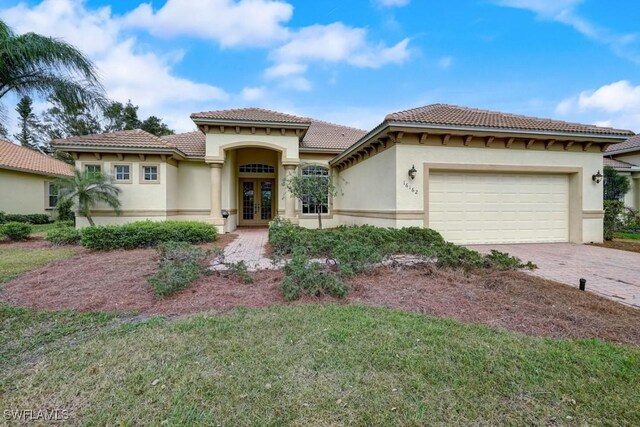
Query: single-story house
x,y
625,158
25,179
476,176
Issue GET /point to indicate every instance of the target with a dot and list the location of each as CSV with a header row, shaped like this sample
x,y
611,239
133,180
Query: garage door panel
x,y
468,207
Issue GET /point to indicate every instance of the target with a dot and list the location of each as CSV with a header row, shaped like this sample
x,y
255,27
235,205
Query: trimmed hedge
x,y
61,236
25,218
145,234
16,230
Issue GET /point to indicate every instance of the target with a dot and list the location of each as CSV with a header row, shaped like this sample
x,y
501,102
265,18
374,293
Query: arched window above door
x,y
257,168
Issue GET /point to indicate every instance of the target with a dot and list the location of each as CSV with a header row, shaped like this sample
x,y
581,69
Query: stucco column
x,y
290,202
216,193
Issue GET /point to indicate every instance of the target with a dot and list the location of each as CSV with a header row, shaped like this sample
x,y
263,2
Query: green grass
x,y
316,365
16,261
40,230
627,236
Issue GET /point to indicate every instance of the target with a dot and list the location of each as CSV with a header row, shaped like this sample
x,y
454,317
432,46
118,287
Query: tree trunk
x,y
90,220
320,219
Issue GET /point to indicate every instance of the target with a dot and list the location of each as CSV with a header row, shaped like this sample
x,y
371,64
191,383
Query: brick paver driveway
x,y
611,273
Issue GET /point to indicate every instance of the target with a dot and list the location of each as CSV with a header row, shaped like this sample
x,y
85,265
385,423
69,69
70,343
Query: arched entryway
x,y
257,175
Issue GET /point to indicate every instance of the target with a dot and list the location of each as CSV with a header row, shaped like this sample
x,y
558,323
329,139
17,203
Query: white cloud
x,y
564,11
128,71
616,104
228,22
285,69
445,62
253,93
393,3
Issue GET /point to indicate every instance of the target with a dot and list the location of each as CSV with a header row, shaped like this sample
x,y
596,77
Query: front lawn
x,y
627,236
16,260
313,365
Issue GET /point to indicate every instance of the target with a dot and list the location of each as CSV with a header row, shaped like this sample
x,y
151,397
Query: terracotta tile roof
x,y
251,115
136,138
451,115
630,144
190,143
329,136
619,164
14,156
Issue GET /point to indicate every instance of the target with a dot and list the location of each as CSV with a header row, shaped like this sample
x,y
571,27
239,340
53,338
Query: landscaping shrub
x,y
180,265
144,234
239,269
612,217
65,213
63,235
303,276
25,218
356,248
16,230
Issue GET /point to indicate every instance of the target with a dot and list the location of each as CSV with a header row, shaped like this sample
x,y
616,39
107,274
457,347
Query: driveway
x,y
611,273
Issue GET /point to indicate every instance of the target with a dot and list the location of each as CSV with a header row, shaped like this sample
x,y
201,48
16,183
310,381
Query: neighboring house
x,y
476,176
625,158
25,179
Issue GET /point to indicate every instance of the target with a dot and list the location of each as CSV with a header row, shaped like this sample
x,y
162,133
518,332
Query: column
x,y
216,193
290,202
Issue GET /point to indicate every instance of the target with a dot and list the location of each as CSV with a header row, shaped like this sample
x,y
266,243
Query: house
x,y
625,158
476,176
25,179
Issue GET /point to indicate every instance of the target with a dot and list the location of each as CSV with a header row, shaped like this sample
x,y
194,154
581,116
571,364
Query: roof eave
x,y
110,149
34,172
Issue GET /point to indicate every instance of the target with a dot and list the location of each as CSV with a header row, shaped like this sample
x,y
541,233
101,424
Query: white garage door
x,y
468,207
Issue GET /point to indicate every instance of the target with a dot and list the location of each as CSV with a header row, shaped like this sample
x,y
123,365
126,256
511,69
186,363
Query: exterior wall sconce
x,y
597,178
413,172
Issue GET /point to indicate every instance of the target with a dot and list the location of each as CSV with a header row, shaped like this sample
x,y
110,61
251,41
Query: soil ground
x,y
116,281
624,245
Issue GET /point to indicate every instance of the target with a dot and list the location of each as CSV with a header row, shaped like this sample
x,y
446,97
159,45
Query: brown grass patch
x,y
623,245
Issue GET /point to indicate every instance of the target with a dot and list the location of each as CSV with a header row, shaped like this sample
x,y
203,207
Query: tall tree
x,y
28,125
87,190
63,120
121,117
4,132
32,64
155,126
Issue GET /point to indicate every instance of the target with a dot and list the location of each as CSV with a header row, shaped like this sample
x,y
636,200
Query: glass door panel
x,y
248,200
266,200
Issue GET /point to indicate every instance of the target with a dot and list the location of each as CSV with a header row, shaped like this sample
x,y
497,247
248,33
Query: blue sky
x,y
354,61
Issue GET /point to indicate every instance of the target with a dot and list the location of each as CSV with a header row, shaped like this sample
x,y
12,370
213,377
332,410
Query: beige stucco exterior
x,y
23,192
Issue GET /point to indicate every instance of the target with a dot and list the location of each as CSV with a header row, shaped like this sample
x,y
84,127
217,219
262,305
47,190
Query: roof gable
x,y
251,115
452,115
16,157
631,144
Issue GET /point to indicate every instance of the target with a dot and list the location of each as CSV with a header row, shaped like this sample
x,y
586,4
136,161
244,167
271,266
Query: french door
x,y
257,201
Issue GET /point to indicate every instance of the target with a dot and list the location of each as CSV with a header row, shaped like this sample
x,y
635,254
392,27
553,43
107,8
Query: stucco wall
x,y
22,193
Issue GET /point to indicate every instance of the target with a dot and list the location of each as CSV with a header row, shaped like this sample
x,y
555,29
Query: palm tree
x,y
32,64
87,189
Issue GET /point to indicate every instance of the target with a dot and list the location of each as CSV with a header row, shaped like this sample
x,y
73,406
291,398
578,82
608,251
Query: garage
x,y
487,207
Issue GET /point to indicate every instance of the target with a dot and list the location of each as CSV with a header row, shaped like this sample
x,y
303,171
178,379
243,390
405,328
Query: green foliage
x,y
356,248
305,277
61,236
65,213
28,124
180,265
16,230
87,190
315,189
631,221
26,218
144,234
240,270
125,117
613,210
155,126
615,184
65,120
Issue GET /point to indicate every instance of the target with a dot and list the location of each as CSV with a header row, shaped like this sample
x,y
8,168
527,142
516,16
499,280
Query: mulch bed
x,y
115,281
623,245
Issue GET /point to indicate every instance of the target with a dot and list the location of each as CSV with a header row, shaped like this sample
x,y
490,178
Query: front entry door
x,y
256,201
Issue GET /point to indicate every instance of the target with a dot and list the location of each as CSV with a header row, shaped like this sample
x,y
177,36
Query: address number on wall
x,y
410,187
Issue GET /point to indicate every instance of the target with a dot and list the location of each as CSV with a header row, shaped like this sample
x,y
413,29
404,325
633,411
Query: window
x,y
308,206
93,169
122,172
150,173
52,195
257,168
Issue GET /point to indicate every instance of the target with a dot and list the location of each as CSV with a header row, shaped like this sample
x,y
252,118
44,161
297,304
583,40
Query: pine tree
x,y
28,124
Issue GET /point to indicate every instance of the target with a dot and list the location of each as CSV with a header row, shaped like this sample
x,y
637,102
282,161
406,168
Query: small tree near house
x,y
314,189
87,189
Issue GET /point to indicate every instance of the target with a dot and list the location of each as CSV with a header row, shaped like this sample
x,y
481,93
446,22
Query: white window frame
x,y
86,167
302,203
115,173
48,196
142,173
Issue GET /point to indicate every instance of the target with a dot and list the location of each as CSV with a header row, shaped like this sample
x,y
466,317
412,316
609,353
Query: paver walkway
x,y
249,247
611,273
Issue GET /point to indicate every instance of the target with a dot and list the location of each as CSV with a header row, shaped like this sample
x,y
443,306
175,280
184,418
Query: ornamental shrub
x,y
61,236
612,217
305,277
25,218
180,265
16,230
145,234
